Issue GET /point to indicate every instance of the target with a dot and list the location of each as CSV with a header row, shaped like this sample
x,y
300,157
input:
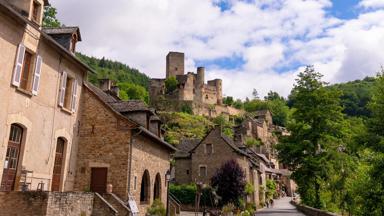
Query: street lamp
x,y
167,179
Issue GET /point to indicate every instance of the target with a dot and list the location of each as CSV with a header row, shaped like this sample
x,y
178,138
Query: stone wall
x,y
104,142
70,203
183,171
46,203
309,211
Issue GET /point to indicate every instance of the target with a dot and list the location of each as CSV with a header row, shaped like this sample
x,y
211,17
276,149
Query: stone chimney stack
x,y
105,84
115,91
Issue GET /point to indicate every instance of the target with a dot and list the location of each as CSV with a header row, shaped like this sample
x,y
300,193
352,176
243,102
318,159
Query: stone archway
x,y
157,187
145,188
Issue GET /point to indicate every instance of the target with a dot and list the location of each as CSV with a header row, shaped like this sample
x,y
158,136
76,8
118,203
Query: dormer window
x,y
36,9
73,43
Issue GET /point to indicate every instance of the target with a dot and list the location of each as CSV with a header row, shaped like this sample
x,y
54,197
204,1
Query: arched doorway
x,y
58,165
145,188
12,158
157,187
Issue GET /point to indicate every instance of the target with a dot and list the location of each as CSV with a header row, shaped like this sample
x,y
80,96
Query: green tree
x,y
171,84
49,18
129,91
317,130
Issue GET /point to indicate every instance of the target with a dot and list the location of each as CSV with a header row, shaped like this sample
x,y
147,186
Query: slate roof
x,y
112,102
129,106
185,146
63,30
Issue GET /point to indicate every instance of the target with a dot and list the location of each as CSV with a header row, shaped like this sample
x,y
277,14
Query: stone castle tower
x,y
192,90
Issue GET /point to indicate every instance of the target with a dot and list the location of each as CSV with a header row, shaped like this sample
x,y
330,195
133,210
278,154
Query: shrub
x,y
157,209
229,180
186,109
171,84
184,193
249,189
251,142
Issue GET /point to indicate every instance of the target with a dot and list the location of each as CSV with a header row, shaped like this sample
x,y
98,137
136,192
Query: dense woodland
x,y
336,146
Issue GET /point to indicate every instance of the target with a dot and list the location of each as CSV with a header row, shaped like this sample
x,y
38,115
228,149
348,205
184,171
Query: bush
x,y
157,209
184,193
251,142
187,109
171,84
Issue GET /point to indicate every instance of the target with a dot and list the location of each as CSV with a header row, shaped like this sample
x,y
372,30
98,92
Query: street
x,y
280,207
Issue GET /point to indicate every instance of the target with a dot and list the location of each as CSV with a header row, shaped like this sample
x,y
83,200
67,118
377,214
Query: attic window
x,y
36,7
73,43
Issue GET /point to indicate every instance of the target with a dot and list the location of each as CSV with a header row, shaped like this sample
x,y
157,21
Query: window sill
x,y
25,92
65,110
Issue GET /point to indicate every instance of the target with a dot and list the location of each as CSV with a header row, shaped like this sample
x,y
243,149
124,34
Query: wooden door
x,y
11,158
58,165
99,180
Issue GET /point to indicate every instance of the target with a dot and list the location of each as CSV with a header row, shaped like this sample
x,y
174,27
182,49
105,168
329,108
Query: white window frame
x,y
206,170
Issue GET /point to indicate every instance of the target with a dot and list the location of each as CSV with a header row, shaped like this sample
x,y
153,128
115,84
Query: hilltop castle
x,y
191,93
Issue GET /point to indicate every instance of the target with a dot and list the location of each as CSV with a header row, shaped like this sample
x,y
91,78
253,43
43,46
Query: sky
x,y
249,44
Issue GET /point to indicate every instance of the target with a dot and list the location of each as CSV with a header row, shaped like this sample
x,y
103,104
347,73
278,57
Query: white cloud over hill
x,y
274,39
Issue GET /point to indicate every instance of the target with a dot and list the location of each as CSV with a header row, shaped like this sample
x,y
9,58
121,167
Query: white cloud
x,y
371,3
267,35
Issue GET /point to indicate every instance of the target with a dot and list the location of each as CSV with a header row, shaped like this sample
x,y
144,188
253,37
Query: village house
x,y
40,84
191,93
198,160
121,143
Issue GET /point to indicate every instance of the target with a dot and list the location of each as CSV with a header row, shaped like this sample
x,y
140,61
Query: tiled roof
x,y
185,146
102,95
63,30
129,106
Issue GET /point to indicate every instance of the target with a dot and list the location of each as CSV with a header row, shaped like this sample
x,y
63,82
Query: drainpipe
x,y
130,158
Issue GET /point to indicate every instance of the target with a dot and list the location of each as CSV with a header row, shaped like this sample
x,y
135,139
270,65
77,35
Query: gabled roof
x,y
107,100
64,30
185,146
129,106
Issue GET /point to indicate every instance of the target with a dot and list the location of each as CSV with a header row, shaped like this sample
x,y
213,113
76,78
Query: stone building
x,y
121,143
192,91
198,160
40,84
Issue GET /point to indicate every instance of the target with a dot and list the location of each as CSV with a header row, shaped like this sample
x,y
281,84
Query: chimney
x,y
115,91
105,84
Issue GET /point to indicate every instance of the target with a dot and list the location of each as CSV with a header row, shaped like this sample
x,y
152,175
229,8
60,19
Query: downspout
x,y
130,159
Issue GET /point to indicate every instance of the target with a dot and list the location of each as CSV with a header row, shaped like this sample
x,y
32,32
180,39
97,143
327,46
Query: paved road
x,y
281,207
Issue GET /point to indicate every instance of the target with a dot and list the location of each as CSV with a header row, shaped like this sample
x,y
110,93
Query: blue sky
x,y
249,44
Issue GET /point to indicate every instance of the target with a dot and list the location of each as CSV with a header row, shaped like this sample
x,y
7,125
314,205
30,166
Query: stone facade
x,y
32,103
204,98
198,161
116,136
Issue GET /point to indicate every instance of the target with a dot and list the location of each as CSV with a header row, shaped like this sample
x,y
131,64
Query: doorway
x,y
57,167
99,179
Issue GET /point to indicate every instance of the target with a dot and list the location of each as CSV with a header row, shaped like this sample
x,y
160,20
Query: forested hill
x,y
114,70
356,96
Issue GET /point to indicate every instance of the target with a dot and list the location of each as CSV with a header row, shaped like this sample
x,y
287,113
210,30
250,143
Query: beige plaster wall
x,y
42,119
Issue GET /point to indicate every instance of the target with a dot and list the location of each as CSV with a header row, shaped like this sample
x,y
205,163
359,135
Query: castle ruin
x,y
191,92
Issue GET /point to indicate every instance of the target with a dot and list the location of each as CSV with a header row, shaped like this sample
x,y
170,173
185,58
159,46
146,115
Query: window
x,y
203,171
73,43
209,148
68,92
206,97
187,171
135,183
23,76
35,11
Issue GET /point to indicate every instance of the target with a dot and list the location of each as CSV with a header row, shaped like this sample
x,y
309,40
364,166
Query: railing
x,y
173,201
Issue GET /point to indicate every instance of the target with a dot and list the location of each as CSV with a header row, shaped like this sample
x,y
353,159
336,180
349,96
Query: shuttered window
x,y
36,78
63,85
19,65
68,92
